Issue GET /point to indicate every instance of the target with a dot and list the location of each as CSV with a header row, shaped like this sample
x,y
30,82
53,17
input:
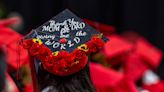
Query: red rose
x,y
63,63
95,44
63,59
78,54
48,58
49,61
34,50
92,47
63,54
44,52
98,42
71,58
47,65
27,43
55,68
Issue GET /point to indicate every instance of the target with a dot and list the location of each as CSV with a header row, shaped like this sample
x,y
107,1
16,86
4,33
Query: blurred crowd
x,y
129,62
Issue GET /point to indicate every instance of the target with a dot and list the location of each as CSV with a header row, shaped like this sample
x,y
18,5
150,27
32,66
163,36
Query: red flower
x,y
92,47
43,53
98,42
95,44
49,62
71,58
63,59
78,54
63,54
47,65
63,63
27,43
55,69
34,50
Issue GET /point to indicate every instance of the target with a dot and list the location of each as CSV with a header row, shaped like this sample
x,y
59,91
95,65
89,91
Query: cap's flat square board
x,y
64,25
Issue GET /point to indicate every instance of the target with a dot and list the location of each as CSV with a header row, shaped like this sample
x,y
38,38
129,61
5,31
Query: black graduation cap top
x,y
65,31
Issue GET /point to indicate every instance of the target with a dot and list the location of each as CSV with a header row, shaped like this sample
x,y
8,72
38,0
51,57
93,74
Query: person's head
x,y
78,82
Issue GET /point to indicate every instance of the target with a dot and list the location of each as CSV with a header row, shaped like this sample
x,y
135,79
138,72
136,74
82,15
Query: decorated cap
x,y
63,43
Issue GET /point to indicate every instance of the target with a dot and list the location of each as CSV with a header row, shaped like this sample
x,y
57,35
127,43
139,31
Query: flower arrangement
x,y
63,63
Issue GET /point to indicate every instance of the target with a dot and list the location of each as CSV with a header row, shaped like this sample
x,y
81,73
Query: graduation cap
x,y
65,31
135,66
112,80
63,43
116,46
149,53
14,52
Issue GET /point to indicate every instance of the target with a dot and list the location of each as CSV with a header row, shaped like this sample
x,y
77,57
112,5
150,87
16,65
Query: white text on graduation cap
x,y
65,26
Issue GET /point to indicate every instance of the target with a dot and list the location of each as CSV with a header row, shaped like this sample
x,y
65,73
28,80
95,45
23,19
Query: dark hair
x,y
78,82
2,70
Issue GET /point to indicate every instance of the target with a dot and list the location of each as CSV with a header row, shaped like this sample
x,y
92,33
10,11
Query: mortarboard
x,y
106,80
10,40
134,67
149,53
116,46
116,50
61,45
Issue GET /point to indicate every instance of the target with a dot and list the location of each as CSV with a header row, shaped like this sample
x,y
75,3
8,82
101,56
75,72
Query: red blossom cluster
x,y
63,63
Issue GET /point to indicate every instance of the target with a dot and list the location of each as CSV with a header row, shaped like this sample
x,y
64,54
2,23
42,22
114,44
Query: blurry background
x,y
144,17
141,16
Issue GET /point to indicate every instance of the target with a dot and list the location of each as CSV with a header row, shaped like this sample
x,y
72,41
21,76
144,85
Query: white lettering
x,y
56,45
80,33
77,39
53,26
62,46
48,42
70,43
75,25
45,37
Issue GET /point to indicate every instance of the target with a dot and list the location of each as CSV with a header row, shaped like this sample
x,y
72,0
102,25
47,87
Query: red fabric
x,y
9,21
97,74
29,88
8,35
9,40
149,53
103,28
108,80
158,87
103,78
125,85
134,67
116,46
